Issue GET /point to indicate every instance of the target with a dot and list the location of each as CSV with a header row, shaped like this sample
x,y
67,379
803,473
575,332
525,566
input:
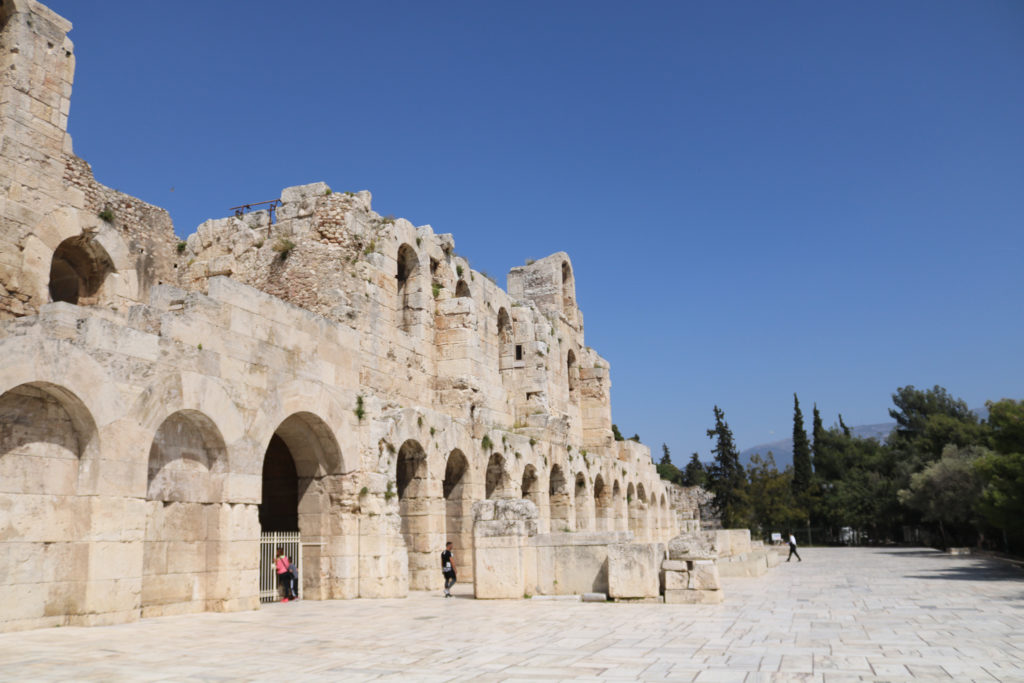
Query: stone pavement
x,y
841,614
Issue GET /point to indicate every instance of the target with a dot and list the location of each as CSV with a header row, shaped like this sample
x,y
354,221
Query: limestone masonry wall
x,y
324,370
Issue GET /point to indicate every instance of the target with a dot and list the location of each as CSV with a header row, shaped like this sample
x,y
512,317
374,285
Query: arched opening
x,y
185,475
496,481
78,269
643,514
603,506
633,511
45,432
291,513
506,352
405,277
504,327
531,485
458,503
621,521
573,373
584,505
568,292
558,500
411,479
462,289
666,518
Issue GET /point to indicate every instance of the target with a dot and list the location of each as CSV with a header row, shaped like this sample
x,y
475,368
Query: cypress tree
x,y
695,474
726,476
817,432
801,453
666,458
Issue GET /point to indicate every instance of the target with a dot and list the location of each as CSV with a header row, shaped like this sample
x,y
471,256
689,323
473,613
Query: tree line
x,y
943,476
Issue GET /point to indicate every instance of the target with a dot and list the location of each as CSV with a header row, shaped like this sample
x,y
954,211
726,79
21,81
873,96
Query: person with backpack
x,y
284,576
448,569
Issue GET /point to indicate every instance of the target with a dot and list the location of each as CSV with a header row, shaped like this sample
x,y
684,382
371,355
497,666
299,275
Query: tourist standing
x,y
284,575
448,569
792,548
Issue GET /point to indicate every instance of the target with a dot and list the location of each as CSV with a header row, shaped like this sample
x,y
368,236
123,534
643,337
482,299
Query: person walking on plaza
x,y
284,575
448,569
792,548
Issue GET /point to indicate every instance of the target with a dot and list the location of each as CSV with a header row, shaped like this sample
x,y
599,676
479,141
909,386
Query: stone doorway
x,y
300,452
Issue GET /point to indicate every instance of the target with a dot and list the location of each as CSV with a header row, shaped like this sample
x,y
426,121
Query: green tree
x,y
666,470
768,497
929,420
695,474
816,431
1006,420
842,425
801,454
616,433
725,477
946,491
1001,501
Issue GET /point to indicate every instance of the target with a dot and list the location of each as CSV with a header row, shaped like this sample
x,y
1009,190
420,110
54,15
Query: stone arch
x,y
186,471
462,289
531,485
101,240
604,512
643,513
191,393
45,433
412,484
78,269
633,511
621,519
496,478
406,275
583,504
558,500
568,292
666,517
573,373
458,500
309,399
504,327
299,454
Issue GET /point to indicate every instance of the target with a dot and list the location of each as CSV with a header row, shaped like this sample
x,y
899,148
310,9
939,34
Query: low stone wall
x,y
570,563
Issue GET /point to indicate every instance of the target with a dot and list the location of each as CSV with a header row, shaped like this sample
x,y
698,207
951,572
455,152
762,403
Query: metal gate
x,y
270,541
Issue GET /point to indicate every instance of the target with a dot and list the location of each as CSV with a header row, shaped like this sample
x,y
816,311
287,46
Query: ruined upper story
x,y
432,330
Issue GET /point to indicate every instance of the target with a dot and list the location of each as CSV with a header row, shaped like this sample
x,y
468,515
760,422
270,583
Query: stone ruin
x,y
316,370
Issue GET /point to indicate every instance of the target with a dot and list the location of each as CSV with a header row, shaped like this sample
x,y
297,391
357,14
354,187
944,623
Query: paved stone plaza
x,y
842,614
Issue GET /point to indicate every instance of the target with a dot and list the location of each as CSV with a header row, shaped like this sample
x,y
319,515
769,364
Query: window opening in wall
x,y
519,351
462,289
405,277
568,291
572,371
79,267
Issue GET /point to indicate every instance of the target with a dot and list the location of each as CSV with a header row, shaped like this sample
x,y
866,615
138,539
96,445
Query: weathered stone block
x,y
633,569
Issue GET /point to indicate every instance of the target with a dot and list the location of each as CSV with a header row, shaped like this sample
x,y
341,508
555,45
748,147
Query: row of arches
x,y
432,515
200,519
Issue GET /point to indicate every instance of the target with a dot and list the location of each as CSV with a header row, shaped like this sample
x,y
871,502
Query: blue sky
x,y
758,198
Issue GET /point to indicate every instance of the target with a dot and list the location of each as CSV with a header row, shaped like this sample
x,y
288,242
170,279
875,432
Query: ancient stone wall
x,y
326,371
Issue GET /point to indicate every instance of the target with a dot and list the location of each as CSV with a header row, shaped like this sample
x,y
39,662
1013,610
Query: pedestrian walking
x,y
448,569
792,548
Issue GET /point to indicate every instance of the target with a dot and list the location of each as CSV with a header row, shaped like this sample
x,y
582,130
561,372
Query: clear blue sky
x,y
758,198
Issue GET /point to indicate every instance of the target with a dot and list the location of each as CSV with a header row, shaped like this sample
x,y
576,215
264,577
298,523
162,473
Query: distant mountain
x,y
782,450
